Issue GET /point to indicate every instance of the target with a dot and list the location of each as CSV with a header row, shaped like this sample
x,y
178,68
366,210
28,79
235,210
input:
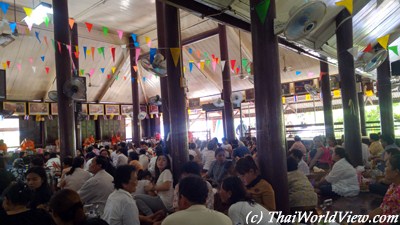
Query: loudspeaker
x,y
3,94
395,68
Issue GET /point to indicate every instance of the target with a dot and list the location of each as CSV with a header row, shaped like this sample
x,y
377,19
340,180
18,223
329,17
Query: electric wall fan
x,y
236,98
53,96
75,89
312,90
6,113
302,21
371,60
218,103
142,115
158,67
155,100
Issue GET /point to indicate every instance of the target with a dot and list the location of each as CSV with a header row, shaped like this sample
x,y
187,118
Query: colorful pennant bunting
x,y
175,52
383,41
148,41
394,49
137,54
153,52
262,10
4,65
28,11
190,50
113,69
4,7
135,68
233,63
368,48
102,70
89,26
190,66
134,37
105,31
223,65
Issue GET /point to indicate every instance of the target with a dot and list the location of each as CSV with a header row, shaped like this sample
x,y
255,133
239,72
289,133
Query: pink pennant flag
x,y
120,33
214,65
59,46
91,72
31,60
45,41
30,24
47,69
69,50
310,74
113,53
137,54
198,65
19,66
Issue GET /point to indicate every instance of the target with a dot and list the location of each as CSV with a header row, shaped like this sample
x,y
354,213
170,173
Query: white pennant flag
x,y
223,64
34,69
354,52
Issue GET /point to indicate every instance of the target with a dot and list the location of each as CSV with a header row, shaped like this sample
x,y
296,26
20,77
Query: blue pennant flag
x,y
190,66
144,79
13,25
298,73
84,51
134,37
136,44
102,70
190,50
37,36
133,79
153,52
42,57
4,7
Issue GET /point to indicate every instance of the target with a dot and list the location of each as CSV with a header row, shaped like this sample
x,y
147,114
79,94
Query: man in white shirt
x,y
97,189
122,159
121,208
302,166
227,147
193,193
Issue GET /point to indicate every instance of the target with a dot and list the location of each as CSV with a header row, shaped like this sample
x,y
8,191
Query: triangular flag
x,y
59,46
175,52
245,62
295,98
102,70
190,50
124,77
336,93
28,11
144,79
233,63
198,53
217,60
93,53
47,69
308,97
208,61
105,31
19,66
213,56
136,44
214,65
148,41
353,51
283,100
45,41
4,7
13,25
84,51
134,37
184,69
120,33
262,10
71,22
137,53
237,70
101,51
89,26
113,53
116,77
37,37
91,72
383,41
46,20
310,74
190,66
113,69
223,65
34,69
394,49
368,48
76,54
348,4
4,65
205,55
153,52
42,57
202,64
82,72
298,73
8,63
69,50
108,76
135,68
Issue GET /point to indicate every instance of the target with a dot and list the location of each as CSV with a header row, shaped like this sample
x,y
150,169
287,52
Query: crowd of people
x,y
220,184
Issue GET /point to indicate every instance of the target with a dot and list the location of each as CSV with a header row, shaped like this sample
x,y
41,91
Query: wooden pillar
x,y
352,133
176,92
160,13
229,128
385,98
66,119
136,134
75,67
327,99
268,102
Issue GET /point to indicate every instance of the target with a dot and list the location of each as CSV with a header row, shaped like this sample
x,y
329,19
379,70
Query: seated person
x,y
241,204
217,169
16,198
301,193
193,193
301,165
259,189
322,157
342,179
375,148
298,145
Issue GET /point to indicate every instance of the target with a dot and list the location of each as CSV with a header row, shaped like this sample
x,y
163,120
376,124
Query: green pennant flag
x,y
244,63
82,72
262,10
105,31
205,55
46,21
208,62
116,77
101,51
394,49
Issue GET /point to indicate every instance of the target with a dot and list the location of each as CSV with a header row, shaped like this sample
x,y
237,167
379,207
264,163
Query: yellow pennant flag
x,y
76,48
175,52
95,117
4,65
111,117
283,100
184,69
88,52
383,41
113,69
369,93
38,118
336,93
308,97
348,4
28,11
202,65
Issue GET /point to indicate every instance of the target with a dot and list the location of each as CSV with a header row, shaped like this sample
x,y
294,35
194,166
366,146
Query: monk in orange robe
x,y
27,145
